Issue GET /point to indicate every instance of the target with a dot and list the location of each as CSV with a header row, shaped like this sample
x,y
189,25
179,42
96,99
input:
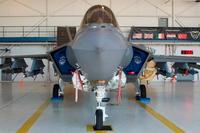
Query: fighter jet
x,y
99,58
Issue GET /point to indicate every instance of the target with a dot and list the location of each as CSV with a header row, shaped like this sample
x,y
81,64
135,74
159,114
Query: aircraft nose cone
x,y
99,52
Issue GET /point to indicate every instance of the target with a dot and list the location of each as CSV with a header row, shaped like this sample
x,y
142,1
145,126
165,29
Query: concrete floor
x,y
178,102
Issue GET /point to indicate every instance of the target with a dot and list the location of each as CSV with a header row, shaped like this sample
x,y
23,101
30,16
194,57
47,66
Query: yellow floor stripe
x,y
89,128
161,118
29,123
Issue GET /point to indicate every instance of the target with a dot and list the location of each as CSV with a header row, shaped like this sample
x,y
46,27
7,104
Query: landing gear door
x,y
140,56
61,62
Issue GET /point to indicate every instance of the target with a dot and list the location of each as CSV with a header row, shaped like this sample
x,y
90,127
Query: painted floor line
x,y
161,118
89,128
31,120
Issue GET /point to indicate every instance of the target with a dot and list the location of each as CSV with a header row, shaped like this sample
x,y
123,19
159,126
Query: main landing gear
x,y
57,92
142,95
143,91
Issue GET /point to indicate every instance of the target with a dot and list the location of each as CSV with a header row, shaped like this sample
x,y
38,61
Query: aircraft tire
x,y
137,97
143,91
99,119
56,91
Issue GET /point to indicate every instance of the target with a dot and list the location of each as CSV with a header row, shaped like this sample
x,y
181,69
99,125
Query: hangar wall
x,y
70,13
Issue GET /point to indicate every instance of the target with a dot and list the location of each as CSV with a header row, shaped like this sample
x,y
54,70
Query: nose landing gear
x,y
100,115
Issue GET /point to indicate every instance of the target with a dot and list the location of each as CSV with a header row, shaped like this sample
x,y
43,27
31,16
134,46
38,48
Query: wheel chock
x,y
57,99
91,128
145,100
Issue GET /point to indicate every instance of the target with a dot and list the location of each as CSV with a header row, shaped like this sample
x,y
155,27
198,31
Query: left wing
x,y
186,59
182,65
157,64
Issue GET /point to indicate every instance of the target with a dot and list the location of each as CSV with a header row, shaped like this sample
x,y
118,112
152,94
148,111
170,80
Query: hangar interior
x,y
42,20
30,27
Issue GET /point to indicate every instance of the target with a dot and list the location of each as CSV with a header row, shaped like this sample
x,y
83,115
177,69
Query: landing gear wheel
x,y
137,97
143,91
56,88
99,120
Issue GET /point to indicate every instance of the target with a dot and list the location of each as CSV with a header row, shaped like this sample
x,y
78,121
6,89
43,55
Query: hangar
x,y
99,66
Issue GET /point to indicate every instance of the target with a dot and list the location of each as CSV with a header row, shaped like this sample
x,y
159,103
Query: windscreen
x,y
99,14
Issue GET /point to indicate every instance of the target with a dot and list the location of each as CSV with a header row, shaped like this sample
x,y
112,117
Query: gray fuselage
x,y
100,49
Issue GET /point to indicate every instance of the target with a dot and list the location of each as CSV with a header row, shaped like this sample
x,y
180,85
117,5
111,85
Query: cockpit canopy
x,y
99,14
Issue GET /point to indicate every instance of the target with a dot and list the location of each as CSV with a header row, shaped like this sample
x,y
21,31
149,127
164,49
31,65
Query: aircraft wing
x,y
39,56
180,63
165,58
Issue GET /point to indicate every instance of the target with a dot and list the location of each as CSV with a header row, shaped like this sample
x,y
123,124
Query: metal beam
x,y
173,15
80,16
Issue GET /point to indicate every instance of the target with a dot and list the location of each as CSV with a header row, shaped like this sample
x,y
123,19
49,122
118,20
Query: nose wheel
x,y
99,120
